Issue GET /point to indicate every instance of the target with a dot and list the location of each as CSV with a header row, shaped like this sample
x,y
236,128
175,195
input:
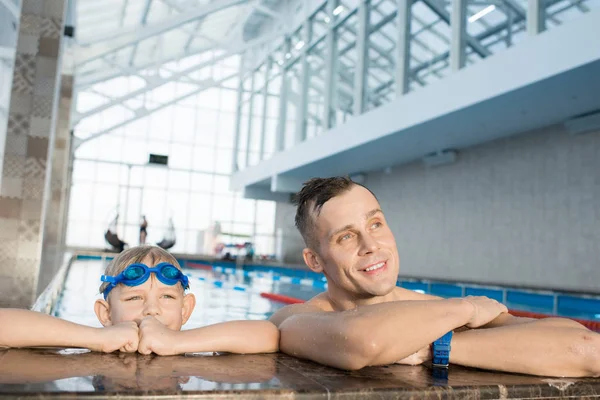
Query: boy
x,y
144,308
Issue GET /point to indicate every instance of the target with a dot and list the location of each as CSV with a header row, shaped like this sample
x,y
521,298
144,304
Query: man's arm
x,y
378,334
24,328
244,337
549,347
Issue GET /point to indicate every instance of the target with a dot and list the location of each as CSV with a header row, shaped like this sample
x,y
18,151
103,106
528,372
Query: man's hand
x,y
123,336
156,338
485,310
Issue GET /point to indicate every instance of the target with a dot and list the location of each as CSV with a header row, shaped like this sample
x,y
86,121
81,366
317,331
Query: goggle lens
x,y
170,272
133,272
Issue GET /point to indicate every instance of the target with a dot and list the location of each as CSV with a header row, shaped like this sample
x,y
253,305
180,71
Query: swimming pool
x,y
224,292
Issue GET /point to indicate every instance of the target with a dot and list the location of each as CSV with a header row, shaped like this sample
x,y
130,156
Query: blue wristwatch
x,y
441,351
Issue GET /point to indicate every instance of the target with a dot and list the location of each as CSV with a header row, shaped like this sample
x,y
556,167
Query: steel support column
x,y
265,92
283,98
304,83
536,22
362,58
458,24
250,117
330,75
238,115
403,20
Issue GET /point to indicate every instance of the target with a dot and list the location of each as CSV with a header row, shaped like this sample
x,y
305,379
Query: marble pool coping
x,y
73,373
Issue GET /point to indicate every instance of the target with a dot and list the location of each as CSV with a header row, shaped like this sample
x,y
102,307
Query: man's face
x,y
356,245
153,298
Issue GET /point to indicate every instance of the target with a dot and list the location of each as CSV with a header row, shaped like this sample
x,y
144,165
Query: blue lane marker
x,y
583,307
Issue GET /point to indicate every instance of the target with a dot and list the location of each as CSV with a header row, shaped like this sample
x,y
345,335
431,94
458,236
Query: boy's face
x,y
168,304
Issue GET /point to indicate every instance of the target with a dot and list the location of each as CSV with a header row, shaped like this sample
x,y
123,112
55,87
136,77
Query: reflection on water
x,y
236,297
47,370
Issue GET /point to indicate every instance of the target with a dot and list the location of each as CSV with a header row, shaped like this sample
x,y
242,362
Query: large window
x,y
111,174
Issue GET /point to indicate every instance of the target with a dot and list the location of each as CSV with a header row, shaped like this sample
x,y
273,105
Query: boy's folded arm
x,y
244,337
24,328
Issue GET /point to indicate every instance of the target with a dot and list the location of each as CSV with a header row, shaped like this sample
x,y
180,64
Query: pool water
x,y
220,295
224,293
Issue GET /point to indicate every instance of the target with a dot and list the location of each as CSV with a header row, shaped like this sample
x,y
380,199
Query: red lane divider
x,y
281,298
199,265
593,325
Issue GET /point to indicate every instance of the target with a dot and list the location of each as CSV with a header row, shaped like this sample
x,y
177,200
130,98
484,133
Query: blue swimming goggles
x,y
137,274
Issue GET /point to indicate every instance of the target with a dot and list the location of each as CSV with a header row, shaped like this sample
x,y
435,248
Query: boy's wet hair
x,y
310,199
136,255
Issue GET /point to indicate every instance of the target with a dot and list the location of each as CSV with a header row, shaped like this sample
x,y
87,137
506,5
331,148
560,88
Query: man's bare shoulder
x,y
319,303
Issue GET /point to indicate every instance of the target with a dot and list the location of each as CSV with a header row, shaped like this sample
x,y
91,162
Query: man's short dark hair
x,y
311,198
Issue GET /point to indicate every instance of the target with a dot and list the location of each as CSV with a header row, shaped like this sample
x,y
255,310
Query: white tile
x,y
28,44
12,187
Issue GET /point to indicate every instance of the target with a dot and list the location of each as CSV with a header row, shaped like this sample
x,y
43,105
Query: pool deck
x,y
55,373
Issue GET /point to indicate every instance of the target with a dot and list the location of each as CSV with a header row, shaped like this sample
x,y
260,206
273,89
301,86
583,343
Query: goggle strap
x,y
110,279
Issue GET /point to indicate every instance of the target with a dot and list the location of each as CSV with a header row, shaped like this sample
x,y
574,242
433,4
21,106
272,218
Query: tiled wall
x,y
29,140
524,211
54,228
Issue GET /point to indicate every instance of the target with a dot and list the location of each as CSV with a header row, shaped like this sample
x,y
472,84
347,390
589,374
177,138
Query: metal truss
x,y
359,63
130,37
353,65
144,112
153,83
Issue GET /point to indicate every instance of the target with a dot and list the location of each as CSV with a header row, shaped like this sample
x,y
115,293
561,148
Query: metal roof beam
x,y
154,83
91,78
267,11
441,12
143,22
210,83
129,37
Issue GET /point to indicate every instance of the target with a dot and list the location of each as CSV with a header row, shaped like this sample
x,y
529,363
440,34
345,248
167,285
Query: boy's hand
x,y
485,310
156,338
123,336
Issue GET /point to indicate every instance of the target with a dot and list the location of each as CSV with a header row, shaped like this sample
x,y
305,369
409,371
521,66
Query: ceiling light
x,y
288,56
327,20
299,45
338,10
482,13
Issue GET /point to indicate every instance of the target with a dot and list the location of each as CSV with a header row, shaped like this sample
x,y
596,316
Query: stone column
x,y
54,226
30,136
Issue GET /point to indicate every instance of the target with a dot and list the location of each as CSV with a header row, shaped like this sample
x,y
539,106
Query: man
x,y
364,319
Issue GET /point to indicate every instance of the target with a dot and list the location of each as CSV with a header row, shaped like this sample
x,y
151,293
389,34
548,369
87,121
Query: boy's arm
x,y
550,347
376,334
244,337
24,328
